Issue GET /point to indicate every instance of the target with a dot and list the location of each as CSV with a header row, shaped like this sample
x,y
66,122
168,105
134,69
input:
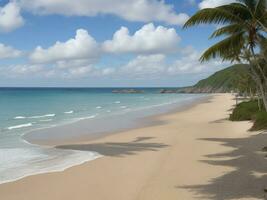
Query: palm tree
x,y
243,28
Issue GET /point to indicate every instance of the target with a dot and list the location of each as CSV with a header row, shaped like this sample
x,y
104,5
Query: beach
x,y
195,153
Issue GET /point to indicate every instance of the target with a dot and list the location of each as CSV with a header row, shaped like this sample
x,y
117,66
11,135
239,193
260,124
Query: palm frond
x,y
251,4
263,46
231,13
226,30
211,15
227,49
260,8
261,14
238,10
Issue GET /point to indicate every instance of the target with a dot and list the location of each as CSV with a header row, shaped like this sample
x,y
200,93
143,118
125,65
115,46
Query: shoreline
x,y
194,154
140,122
64,163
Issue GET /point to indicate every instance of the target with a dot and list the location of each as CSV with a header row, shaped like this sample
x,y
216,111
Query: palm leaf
x,y
232,13
260,8
227,49
251,4
237,9
263,46
227,30
211,15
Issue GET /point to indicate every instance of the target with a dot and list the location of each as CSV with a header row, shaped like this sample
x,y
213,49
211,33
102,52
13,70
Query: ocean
x,y
37,112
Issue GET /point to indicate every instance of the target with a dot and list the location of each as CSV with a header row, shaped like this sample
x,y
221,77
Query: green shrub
x,y
260,121
244,111
250,111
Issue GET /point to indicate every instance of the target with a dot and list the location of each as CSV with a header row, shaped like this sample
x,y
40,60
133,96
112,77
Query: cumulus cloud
x,y
131,10
84,50
189,63
141,66
10,17
8,52
84,71
213,3
148,40
21,70
157,66
80,47
45,71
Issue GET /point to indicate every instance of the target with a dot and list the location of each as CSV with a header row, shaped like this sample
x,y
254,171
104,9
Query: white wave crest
x,y
89,117
45,120
19,126
42,116
69,112
19,117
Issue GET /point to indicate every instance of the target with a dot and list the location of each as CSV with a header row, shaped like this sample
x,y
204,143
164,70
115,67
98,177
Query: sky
x,y
103,43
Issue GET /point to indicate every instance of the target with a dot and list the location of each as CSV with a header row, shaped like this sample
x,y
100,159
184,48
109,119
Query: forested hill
x,y
220,82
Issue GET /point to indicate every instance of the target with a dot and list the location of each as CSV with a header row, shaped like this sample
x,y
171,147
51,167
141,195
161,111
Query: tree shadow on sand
x,y
118,149
248,179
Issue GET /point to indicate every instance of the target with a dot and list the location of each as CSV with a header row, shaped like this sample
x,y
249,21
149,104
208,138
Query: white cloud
x,y
67,64
8,52
144,66
21,70
189,63
107,71
84,71
10,18
148,40
79,71
81,47
131,10
84,50
157,66
213,3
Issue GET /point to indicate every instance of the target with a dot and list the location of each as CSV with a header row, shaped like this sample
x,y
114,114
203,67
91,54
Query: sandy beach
x,y
192,154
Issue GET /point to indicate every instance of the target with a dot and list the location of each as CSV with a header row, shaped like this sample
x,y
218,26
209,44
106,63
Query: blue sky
x,y
100,43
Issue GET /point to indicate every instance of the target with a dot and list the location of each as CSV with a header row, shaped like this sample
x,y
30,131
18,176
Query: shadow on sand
x,y
118,149
248,177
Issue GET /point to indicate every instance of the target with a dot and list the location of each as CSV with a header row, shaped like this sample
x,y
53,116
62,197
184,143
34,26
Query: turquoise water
x,y
24,110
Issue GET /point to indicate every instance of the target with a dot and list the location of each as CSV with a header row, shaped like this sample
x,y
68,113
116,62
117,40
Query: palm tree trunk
x,y
259,100
260,86
258,66
259,78
263,96
250,93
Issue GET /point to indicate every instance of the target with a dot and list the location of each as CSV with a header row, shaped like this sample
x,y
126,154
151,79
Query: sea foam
x,y
19,117
25,162
19,126
42,116
69,112
88,117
